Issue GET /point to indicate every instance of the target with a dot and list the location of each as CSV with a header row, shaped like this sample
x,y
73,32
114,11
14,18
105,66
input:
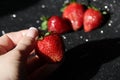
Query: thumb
x,y
26,44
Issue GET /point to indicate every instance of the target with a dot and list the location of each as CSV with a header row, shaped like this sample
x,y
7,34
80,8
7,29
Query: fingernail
x,y
32,32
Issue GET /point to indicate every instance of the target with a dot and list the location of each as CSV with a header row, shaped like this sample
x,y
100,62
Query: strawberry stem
x,y
43,18
95,8
47,33
43,29
44,23
73,1
40,38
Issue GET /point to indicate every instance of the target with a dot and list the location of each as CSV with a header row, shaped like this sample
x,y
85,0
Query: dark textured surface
x,y
89,56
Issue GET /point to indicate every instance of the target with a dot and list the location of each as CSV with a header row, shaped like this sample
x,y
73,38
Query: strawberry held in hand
x,y
74,12
58,24
50,48
92,19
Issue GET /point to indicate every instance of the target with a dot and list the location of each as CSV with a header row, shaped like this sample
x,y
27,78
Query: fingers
x,y
33,63
8,41
38,69
5,44
16,36
26,44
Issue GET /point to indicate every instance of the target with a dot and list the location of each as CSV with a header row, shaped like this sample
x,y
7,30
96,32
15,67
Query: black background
x,y
88,56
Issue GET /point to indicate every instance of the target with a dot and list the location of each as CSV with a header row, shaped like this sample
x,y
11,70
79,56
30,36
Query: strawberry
x,y
58,24
50,48
74,12
92,19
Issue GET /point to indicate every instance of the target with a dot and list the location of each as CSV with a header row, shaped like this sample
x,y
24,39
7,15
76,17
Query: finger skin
x,y
12,64
26,44
9,41
5,44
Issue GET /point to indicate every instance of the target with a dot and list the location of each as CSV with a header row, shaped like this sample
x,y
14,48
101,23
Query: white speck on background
x,y
111,5
65,49
14,15
64,37
20,19
109,24
86,40
116,31
66,1
111,21
101,31
94,0
3,32
37,21
69,43
43,6
81,37
105,7
114,1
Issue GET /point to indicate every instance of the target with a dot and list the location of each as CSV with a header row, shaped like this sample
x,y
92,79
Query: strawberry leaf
x,y
65,5
73,1
44,23
43,18
40,38
62,9
93,7
47,33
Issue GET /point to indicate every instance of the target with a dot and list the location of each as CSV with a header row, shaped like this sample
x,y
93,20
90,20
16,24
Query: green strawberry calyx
x,y
66,3
73,0
43,29
93,7
97,9
43,25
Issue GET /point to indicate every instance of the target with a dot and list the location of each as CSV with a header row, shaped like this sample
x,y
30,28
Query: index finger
x,y
8,41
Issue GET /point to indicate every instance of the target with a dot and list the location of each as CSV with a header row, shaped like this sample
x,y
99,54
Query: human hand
x,y
15,63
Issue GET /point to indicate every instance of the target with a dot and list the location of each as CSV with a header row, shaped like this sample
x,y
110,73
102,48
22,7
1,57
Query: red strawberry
x,y
74,12
58,24
50,48
92,19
